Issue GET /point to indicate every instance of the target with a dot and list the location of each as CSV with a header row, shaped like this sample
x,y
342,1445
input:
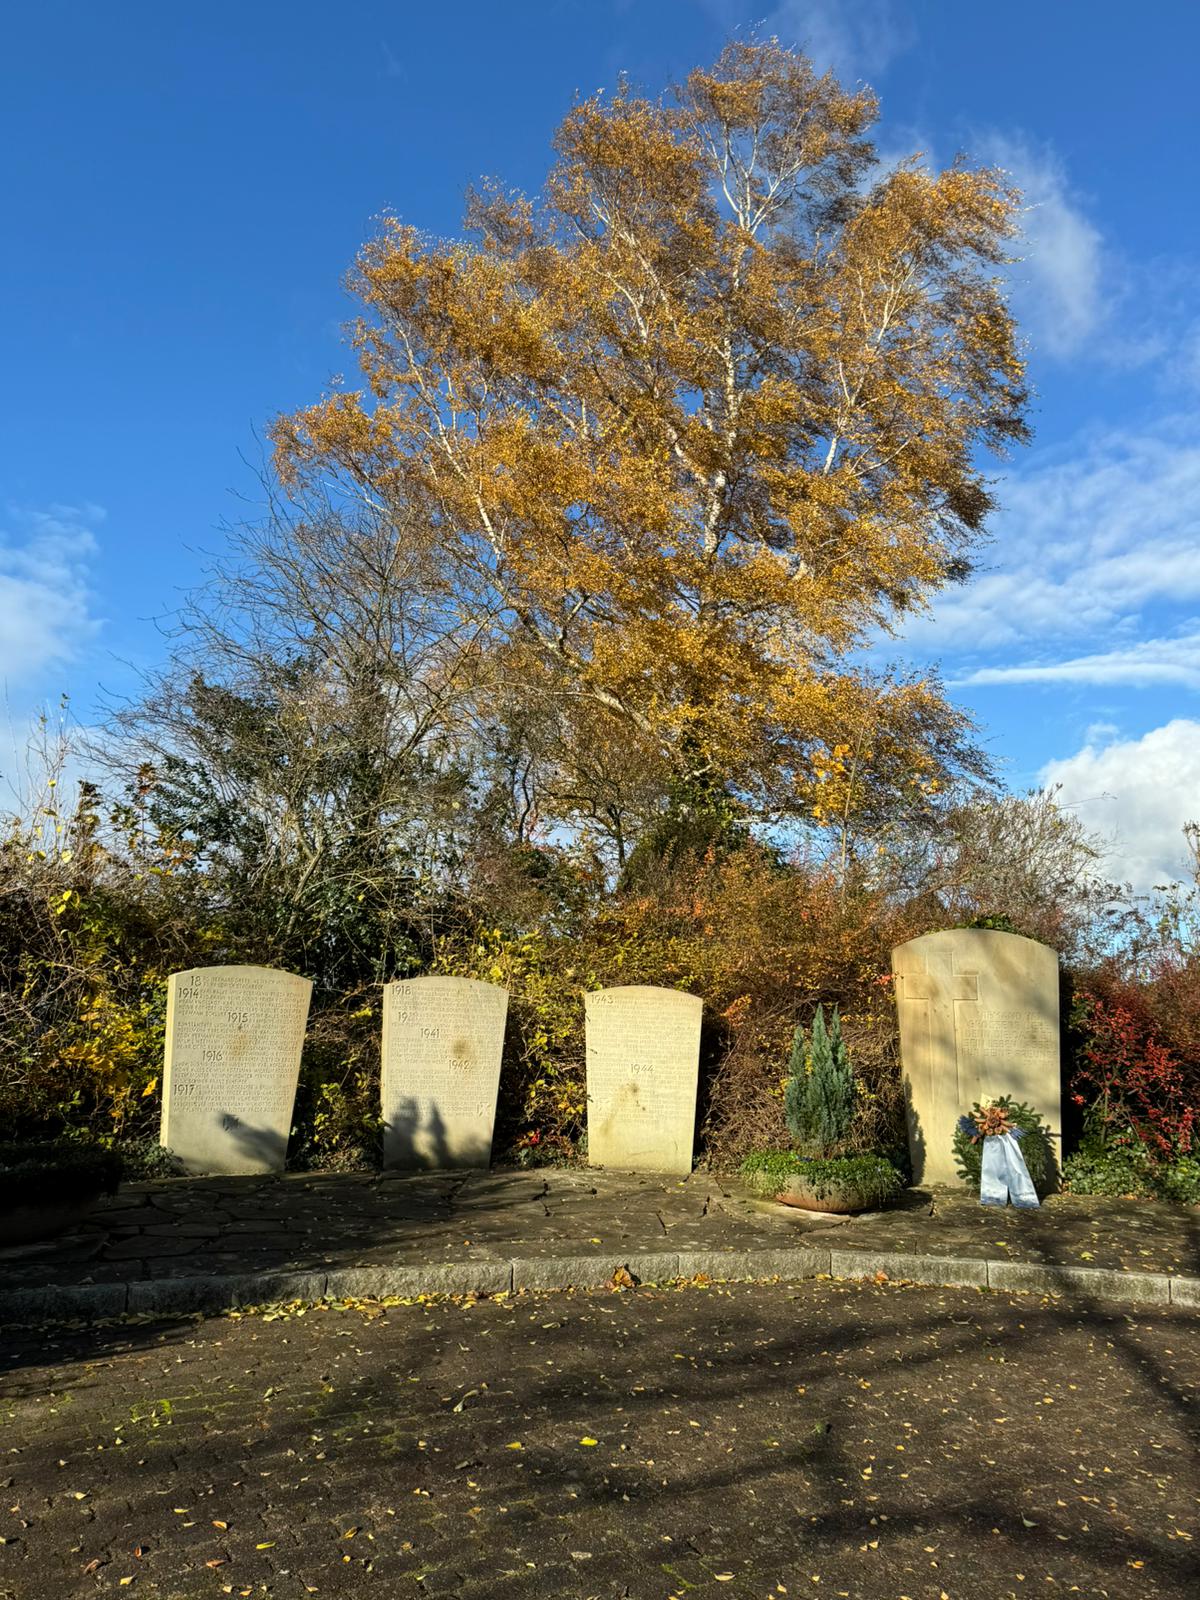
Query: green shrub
x,y
1099,1168
1181,1181
1109,1168
1035,1145
819,1098
873,1177
54,1175
146,1158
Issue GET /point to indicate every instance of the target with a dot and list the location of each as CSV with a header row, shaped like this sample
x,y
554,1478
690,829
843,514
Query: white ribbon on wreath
x,y
1003,1175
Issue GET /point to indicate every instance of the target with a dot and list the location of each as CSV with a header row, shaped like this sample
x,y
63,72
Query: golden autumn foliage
x,y
689,430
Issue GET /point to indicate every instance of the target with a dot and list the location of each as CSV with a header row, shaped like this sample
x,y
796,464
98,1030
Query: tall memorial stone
x,y
442,1043
978,1019
234,1037
643,1061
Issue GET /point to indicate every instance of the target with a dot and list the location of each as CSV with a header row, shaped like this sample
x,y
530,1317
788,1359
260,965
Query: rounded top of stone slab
x,y
980,940
445,980
648,990
243,970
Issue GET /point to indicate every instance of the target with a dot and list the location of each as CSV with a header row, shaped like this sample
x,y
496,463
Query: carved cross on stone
x,y
978,1014
939,985
938,982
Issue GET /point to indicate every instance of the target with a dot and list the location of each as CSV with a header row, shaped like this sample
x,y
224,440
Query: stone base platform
x,y
205,1244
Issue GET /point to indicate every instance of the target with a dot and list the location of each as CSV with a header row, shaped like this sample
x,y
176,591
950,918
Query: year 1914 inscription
x,y
234,1038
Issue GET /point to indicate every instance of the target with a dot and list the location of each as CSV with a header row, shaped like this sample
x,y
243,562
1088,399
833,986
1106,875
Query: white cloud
x,y
1059,288
1087,541
857,38
1138,793
45,600
1139,666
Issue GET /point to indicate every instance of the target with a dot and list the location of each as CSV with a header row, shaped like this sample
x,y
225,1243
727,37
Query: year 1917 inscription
x,y
234,1037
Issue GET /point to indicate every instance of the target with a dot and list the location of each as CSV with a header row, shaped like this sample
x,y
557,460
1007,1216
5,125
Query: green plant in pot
x,y
818,1104
45,1188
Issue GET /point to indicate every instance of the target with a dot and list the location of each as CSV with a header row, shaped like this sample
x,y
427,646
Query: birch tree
x,y
694,426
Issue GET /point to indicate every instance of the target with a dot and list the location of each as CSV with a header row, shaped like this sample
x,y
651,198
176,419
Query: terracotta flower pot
x,y
842,1200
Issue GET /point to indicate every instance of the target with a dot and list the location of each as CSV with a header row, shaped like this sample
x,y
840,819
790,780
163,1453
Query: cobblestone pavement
x,y
828,1439
310,1222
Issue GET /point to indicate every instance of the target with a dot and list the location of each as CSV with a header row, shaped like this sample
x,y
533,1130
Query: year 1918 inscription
x,y
234,1037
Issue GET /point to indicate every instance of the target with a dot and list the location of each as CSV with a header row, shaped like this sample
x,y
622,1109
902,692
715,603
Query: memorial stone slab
x,y
442,1043
978,1019
234,1037
643,1061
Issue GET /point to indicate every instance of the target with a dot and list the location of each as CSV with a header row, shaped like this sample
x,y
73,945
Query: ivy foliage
x,y
872,1178
1102,1167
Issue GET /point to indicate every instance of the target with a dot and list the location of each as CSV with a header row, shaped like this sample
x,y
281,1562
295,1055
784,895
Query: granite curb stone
x,y
1023,1277
591,1272
212,1293
223,1291
57,1302
726,1266
945,1271
451,1277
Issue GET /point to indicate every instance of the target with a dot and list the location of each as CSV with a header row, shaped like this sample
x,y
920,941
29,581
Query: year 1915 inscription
x,y
234,1037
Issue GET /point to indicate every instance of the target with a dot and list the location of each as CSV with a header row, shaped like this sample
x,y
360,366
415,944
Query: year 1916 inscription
x,y
234,1037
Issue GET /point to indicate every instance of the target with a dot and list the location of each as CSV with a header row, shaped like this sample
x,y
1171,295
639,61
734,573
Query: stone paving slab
x,y
197,1244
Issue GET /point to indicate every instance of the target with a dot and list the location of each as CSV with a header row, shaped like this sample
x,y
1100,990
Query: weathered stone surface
x,y
453,1277
234,1037
936,1269
643,1059
592,1271
726,1266
442,1043
978,1019
170,1296
54,1302
1080,1283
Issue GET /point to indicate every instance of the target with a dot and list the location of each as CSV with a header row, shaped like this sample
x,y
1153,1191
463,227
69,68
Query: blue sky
x,y
184,188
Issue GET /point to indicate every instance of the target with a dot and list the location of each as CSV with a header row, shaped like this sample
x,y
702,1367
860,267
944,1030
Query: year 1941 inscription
x,y
443,1039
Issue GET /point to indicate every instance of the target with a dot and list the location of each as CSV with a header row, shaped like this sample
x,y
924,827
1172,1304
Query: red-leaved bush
x,y
1129,1079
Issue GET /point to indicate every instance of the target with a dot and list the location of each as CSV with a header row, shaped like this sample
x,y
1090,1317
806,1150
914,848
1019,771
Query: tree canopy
x,y
685,433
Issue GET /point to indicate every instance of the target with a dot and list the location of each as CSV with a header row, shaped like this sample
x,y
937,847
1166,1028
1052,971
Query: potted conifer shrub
x,y
817,1174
